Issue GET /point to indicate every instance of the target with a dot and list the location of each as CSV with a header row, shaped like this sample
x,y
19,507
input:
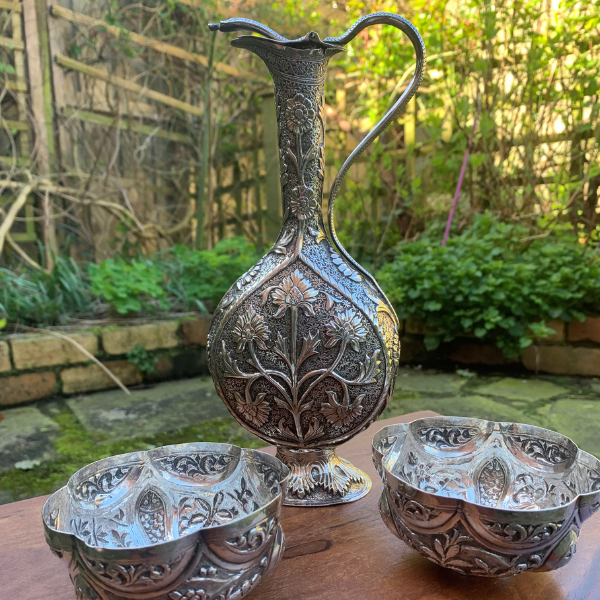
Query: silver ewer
x,y
485,498
194,521
304,347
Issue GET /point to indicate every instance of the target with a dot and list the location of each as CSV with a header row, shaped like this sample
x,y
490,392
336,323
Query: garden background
x,y
139,179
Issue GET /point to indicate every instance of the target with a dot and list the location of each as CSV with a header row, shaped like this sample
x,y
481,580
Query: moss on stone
x,y
76,447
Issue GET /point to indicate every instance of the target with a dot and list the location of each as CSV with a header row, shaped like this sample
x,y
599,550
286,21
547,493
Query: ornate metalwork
x,y
494,508
178,532
304,348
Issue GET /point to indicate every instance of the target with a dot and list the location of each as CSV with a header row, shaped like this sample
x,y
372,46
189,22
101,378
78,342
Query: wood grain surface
x,y
333,553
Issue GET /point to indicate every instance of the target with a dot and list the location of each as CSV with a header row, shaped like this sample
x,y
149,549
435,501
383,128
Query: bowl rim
x,y
272,506
460,501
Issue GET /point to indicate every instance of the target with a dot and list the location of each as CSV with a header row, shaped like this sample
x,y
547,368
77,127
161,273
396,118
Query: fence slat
x,y
271,150
142,40
7,5
75,65
124,123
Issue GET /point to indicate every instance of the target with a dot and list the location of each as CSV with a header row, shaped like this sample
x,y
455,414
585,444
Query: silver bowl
x,y
189,522
485,498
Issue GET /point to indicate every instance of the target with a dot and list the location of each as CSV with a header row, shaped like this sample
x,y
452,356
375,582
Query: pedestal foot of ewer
x,y
320,477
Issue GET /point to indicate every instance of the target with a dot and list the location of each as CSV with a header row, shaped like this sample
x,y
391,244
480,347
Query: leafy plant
x,y
195,277
39,298
493,282
130,287
140,357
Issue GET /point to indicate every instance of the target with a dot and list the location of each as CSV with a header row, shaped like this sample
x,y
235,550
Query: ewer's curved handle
x,y
413,35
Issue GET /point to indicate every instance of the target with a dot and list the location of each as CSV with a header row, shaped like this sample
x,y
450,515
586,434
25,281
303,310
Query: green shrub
x,y
140,357
195,277
129,286
493,282
39,298
178,279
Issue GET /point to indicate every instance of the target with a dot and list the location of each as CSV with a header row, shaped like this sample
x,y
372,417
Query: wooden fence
x,y
56,105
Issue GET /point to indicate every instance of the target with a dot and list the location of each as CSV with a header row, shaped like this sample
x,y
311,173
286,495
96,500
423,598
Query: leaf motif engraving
x,y
368,369
196,465
309,346
342,413
199,512
281,348
229,365
543,451
517,533
281,246
152,516
447,437
315,430
343,267
101,484
253,540
492,483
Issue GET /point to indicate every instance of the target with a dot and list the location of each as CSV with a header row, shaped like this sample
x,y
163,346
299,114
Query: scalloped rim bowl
x,y
195,521
485,498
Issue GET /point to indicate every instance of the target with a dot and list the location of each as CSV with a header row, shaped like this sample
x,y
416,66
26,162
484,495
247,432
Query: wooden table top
x,y
334,553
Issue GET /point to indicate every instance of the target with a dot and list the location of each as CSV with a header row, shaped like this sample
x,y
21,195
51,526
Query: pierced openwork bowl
x,y
188,522
485,498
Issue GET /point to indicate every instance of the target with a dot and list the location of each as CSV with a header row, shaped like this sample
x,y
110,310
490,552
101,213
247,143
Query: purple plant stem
x,y
460,181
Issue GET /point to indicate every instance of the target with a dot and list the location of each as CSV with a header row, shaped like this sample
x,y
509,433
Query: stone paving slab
x,y
522,389
26,435
569,405
165,407
577,419
427,382
457,406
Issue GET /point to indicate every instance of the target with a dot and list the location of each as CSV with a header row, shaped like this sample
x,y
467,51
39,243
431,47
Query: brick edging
x,y
573,350
34,366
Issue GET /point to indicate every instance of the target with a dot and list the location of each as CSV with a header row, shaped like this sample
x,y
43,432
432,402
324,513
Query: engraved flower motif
x,y
302,202
296,291
250,327
341,414
256,411
346,327
299,113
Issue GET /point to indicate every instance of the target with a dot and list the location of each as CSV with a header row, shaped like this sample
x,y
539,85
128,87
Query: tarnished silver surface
x,y
485,498
304,348
189,522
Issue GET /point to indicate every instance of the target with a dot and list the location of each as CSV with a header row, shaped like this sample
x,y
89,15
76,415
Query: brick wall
x,y
37,366
573,350
34,366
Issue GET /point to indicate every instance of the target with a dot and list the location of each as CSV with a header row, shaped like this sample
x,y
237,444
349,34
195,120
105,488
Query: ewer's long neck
x,y
299,78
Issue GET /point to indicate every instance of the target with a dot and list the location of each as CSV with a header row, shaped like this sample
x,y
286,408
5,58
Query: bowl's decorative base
x,y
320,477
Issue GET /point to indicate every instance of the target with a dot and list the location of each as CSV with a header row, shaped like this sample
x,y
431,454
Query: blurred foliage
x,y
141,358
176,280
494,281
39,298
531,70
129,286
194,278
521,245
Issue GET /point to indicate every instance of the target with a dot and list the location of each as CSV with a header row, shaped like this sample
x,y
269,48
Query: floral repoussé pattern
x,y
303,203
299,114
294,292
290,390
250,327
346,328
